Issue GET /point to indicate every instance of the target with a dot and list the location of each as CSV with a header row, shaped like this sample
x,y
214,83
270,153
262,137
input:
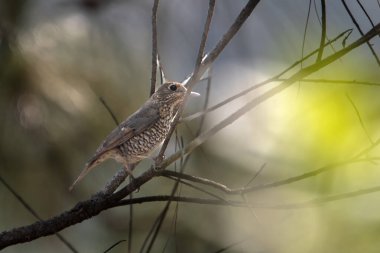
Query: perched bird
x,y
142,132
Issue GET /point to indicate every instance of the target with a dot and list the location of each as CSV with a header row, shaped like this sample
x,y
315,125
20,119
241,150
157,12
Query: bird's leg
x,y
129,171
157,161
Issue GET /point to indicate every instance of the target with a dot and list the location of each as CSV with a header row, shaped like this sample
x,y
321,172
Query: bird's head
x,y
171,93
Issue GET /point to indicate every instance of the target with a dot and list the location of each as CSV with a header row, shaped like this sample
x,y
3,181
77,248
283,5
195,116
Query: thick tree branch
x,y
80,212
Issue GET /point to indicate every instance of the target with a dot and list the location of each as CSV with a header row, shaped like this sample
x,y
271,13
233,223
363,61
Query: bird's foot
x,y
157,161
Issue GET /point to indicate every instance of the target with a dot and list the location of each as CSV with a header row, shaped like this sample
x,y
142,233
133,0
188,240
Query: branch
x,y
235,27
34,213
327,199
109,111
100,201
268,94
154,48
233,203
335,81
261,84
323,35
305,31
243,190
359,118
360,31
80,212
197,73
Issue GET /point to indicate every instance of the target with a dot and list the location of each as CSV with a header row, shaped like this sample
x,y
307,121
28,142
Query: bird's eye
x,y
173,87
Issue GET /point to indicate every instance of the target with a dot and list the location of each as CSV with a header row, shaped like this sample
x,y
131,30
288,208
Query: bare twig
x,y
205,105
206,29
242,190
305,204
360,31
327,199
109,111
114,245
233,245
130,223
323,35
256,174
197,188
348,31
194,78
355,82
320,22
360,118
235,27
261,84
365,13
162,216
268,94
305,32
154,48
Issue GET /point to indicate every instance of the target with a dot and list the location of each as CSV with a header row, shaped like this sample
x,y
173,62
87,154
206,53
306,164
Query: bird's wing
x,y
142,119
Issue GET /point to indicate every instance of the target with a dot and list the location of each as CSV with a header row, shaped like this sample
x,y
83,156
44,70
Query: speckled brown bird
x,y
142,132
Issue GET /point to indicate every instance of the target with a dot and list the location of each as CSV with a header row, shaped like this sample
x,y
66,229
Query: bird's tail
x,y
89,166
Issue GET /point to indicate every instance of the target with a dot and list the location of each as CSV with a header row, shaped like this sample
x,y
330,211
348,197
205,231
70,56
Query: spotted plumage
x,y
140,134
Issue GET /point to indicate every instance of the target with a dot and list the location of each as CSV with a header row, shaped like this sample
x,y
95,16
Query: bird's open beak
x,y
194,94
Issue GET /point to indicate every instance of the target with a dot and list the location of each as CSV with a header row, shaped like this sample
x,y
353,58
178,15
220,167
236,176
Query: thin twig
x,y
305,204
360,118
348,31
268,94
233,245
305,32
194,78
152,234
256,174
234,28
166,208
320,23
206,29
360,31
323,35
197,188
205,105
355,82
109,111
326,199
366,13
114,245
130,223
154,48
261,84
242,190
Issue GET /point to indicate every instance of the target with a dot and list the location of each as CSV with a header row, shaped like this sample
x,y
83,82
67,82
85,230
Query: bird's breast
x,y
145,142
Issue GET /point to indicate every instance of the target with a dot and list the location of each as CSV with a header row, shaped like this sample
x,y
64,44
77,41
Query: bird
x,y
142,132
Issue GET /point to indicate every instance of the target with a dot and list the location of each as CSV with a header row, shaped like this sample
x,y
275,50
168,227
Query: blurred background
x,y
58,57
